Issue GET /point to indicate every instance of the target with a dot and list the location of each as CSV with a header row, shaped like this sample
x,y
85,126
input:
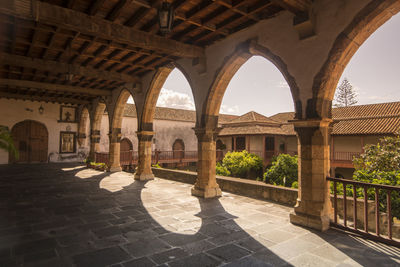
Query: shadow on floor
x,y
57,215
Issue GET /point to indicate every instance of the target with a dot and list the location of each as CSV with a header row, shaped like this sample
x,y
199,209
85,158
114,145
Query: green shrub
x,y
243,164
295,184
222,170
156,166
283,171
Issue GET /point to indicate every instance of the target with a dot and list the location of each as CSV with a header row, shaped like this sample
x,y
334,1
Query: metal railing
x,y
364,229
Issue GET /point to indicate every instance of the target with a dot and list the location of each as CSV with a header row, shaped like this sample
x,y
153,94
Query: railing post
x,y
355,206
365,209
389,213
377,211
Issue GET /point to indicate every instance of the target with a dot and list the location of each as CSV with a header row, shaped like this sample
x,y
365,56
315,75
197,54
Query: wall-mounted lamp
x,y
165,17
41,109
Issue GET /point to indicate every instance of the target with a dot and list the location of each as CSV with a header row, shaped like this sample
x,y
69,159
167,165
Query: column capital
x,y
311,123
206,134
115,135
145,135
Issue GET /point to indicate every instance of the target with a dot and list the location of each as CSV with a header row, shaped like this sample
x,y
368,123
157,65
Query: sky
x,y
374,72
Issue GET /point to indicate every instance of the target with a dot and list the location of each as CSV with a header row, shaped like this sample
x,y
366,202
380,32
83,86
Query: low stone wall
x,y
250,188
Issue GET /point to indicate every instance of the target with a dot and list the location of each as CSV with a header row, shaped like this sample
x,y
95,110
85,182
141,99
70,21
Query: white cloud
x,y
229,109
172,99
282,84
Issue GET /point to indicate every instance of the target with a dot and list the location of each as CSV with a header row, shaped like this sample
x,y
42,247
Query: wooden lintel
x,y
57,67
54,87
65,100
46,13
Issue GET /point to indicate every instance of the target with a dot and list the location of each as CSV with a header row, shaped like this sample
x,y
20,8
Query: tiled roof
x,y
381,118
363,119
174,114
252,129
252,117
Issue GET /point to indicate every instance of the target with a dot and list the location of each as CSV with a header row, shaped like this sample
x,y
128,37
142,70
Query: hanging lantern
x,y
165,17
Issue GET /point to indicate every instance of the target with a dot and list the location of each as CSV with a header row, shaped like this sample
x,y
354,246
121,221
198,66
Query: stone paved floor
x,y
67,215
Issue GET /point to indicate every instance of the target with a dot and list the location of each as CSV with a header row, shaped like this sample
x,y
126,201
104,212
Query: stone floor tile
x,y
144,247
249,261
102,257
169,255
277,236
228,253
198,260
310,260
141,262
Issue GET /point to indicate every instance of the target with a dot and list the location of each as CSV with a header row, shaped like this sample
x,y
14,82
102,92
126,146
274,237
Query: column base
x,y
207,192
320,223
143,176
114,169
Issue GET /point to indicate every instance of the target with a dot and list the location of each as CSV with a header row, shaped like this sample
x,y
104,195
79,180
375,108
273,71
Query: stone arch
x,y
119,107
98,112
231,65
84,120
364,24
145,123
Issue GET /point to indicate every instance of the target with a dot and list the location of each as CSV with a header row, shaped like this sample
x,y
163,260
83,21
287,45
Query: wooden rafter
x,y
53,87
80,22
43,97
295,6
57,67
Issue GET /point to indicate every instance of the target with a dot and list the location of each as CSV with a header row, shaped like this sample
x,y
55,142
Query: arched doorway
x,y
178,149
126,145
31,141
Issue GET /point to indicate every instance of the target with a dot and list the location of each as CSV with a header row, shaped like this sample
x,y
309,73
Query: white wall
x,y
166,132
14,111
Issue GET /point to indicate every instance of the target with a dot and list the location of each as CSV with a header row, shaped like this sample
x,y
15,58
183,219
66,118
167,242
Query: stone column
x,y
313,208
114,150
143,170
94,143
206,184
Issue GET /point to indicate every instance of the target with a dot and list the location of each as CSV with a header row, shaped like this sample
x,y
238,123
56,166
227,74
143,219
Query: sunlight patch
x,y
116,181
87,173
73,168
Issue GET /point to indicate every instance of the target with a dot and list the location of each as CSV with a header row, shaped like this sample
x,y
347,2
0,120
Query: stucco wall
x,y
256,143
291,143
14,111
347,143
166,132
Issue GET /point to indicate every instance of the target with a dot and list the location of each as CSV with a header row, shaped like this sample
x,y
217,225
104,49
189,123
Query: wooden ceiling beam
x,y
297,7
54,87
43,98
73,20
57,67
95,6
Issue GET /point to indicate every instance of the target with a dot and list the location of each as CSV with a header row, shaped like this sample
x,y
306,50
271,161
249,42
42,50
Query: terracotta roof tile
x,y
174,114
252,117
252,129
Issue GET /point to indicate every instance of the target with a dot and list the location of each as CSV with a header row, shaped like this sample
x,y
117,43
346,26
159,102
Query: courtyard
x,y
68,215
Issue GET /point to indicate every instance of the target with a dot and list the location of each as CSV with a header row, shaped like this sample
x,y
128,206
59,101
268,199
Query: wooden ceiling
x,y
108,43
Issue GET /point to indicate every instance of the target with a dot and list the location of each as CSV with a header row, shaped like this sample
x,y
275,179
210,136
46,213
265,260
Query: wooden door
x,y
178,149
126,145
31,141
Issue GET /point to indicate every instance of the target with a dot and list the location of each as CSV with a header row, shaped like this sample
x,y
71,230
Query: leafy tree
x,y
345,95
6,141
283,171
380,164
242,164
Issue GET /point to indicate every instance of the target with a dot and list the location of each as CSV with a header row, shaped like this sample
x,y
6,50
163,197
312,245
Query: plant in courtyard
x,y
380,164
6,141
222,170
241,164
345,95
283,171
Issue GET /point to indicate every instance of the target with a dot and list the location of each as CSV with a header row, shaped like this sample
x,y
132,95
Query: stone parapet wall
x,y
250,188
